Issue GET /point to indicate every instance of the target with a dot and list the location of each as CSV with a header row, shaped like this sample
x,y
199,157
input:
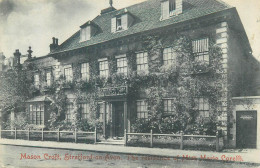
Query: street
x,y
16,156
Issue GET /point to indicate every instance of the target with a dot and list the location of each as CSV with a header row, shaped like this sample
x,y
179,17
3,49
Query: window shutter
x,y
165,9
88,35
124,21
113,25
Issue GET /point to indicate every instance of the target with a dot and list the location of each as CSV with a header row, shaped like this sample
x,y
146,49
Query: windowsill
x,y
118,31
174,14
84,41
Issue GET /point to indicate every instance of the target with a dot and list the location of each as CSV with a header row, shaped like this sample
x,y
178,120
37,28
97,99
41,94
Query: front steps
x,y
118,141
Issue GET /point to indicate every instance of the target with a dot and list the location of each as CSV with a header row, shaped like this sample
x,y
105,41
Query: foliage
x,y
15,89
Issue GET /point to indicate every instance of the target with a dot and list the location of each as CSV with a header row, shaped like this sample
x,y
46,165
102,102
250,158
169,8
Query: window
x,y
69,114
48,78
142,112
36,112
118,23
172,5
142,63
85,33
85,111
169,58
103,68
200,50
36,80
85,71
68,74
122,65
202,105
168,106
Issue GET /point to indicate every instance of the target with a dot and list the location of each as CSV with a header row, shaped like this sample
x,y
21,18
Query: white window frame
x,y
142,109
48,78
169,109
119,27
169,58
68,74
142,62
37,80
84,70
103,68
36,112
85,110
122,67
203,106
172,6
69,110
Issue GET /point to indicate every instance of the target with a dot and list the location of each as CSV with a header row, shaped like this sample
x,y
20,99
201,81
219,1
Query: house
x,y
182,60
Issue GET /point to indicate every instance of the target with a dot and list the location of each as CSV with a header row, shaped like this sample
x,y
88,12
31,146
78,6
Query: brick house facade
x,y
115,44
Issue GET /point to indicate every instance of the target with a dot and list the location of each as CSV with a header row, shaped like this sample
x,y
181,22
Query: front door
x,y
246,129
119,119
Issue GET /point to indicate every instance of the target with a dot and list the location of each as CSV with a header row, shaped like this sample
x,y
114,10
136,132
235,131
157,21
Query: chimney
x,y
109,9
17,56
2,59
30,52
54,44
57,42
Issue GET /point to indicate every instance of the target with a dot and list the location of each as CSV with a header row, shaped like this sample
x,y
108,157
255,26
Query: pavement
x,y
244,156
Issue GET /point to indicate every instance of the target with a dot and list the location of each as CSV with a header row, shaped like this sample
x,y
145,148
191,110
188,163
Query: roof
x,y
39,99
147,17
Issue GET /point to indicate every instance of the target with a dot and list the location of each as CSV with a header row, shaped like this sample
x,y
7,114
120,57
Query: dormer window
x,y
85,34
87,31
118,23
122,21
170,8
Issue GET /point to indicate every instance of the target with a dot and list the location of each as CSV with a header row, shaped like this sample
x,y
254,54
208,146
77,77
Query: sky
x,y
25,23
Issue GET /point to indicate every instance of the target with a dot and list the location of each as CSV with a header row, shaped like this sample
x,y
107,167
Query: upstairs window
x,y
68,74
36,80
84,71
103,68
169,57
142,112
171,8
200,49
172,5
121,65
202,105
122,22
119,23
85,111
69,112
48,78
85,33
142,62
36,112
168,106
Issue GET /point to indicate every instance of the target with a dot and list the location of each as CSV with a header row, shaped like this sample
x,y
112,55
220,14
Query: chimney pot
x,y
53,40
30,52
57,41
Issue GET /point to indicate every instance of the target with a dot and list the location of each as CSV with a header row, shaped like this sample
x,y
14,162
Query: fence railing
x,y
42,133
181,136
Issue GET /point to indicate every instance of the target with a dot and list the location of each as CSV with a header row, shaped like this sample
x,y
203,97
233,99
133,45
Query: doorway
x,y
119,119
246,129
